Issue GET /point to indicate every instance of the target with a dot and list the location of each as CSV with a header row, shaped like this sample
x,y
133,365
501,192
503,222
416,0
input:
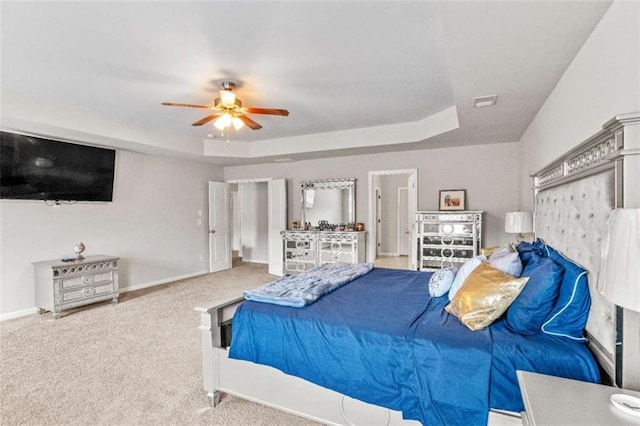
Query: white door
x,y
404,230
235,222
412,208
219,247
378,222
277,190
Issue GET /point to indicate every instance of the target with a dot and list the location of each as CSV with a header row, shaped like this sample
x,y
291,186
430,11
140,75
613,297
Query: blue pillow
x,y
569,316
538,297
527,249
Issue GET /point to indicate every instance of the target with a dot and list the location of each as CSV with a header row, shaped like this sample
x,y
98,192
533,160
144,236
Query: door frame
x,y
261,180
400,232
239,182
413,193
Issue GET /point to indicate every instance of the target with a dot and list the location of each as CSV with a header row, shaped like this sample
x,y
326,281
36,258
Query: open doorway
x,y
392,206
257,211
249,217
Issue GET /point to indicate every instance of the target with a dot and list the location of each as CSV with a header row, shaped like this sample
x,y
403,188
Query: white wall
x,y
489,173
602,81
151,224
254,226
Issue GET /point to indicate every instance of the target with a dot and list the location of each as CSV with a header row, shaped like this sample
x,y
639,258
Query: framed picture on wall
x,y
453,199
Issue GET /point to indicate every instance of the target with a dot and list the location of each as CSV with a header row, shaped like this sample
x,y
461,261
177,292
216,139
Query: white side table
x,y
550,400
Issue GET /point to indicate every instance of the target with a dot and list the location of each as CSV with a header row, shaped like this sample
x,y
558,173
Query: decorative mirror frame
x,y
345,183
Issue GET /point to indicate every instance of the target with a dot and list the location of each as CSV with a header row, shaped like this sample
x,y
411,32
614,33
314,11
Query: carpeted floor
x,y
137,362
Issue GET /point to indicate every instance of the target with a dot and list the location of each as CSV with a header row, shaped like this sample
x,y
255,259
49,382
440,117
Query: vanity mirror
x,y
330,200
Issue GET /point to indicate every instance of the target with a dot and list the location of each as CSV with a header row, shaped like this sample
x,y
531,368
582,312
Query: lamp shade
x,y
619,278
518,222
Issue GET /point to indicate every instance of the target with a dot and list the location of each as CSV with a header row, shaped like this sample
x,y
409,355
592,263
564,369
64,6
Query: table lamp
x,y
518,223
619,277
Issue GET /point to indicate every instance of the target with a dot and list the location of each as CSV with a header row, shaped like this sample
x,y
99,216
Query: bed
x,y
273,364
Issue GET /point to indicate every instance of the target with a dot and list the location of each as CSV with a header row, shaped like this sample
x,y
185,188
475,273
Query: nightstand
x,y
550,400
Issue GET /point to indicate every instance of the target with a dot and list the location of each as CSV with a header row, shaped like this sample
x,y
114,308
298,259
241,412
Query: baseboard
x,y
160,282
18,314
389,254
31,311
263,262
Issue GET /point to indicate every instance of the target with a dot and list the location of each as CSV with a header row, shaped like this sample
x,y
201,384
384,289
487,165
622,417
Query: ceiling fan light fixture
x,y
223,121
227,98
237,123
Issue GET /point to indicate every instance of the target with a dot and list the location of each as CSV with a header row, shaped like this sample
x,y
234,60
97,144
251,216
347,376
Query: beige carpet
x,y
134,363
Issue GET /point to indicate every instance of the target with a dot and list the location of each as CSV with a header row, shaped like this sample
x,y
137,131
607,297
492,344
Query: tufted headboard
x,y
573,198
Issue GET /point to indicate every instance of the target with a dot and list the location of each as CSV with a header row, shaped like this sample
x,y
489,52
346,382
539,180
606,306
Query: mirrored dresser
x,y
447,239
64,285
328,214
304,250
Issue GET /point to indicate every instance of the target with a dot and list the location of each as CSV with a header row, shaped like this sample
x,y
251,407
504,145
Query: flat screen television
x,y
33,168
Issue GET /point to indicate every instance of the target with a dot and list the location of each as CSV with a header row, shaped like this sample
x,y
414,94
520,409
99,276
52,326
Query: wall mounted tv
x,y
34,168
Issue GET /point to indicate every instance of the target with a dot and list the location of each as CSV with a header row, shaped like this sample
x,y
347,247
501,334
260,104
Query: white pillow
x,y
506,261
463,273
441,280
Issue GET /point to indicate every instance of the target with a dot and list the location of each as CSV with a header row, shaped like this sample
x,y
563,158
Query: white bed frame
x,y
268,386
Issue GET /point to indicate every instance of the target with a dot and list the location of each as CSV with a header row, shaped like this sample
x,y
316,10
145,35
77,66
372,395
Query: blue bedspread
x,y
383,340
307,287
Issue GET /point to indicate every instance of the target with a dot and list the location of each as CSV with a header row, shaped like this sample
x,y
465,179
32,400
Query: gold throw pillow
x,y
484,296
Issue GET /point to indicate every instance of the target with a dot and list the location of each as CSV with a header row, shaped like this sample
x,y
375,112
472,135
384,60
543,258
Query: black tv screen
x,y
34,168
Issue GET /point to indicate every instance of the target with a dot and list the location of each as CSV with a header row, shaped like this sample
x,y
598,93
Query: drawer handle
x,y
446,264
89,291
87,279
444,252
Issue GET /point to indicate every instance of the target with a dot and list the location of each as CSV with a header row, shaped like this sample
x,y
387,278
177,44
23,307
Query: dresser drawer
x,y
336,256
448,240
448,228
297,266
87,293
447,252
88,279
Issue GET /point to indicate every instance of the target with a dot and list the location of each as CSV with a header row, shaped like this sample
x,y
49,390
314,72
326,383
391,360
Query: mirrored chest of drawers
x,y
447,239
304,250
64,285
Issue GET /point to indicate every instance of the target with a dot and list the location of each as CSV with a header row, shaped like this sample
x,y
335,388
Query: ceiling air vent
x,y
484,101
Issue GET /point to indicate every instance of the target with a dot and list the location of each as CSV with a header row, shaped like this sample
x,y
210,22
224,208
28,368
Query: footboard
x,y
211,319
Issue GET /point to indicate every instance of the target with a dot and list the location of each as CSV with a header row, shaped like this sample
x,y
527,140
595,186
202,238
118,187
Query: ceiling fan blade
x,y
205,120
249,122
268,111
186,105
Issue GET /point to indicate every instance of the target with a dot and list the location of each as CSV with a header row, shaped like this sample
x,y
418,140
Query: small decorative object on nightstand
x,y
64,285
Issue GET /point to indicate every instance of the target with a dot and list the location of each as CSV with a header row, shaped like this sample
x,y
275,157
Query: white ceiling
x,y
357,77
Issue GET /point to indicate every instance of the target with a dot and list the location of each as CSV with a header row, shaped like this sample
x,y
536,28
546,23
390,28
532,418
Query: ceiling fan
x,y
229,110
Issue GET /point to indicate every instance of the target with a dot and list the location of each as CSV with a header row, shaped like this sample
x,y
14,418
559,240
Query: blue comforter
x,y
383,340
